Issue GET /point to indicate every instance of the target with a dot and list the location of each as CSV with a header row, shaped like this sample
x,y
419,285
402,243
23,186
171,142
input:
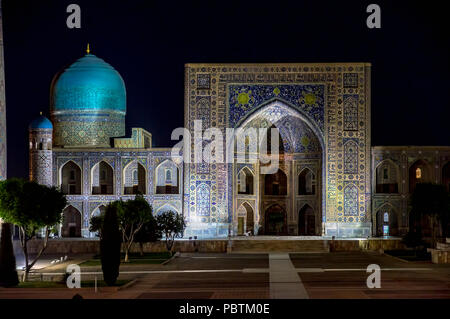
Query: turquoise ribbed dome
x,y
41,122
88,84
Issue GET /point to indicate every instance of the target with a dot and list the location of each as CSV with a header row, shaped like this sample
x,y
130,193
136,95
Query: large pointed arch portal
x,y
302,140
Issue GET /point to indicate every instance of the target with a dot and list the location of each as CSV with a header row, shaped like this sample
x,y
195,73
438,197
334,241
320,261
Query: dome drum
x,y
87,129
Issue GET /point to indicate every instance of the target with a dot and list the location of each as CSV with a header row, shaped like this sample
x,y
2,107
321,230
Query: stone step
x,y
280,246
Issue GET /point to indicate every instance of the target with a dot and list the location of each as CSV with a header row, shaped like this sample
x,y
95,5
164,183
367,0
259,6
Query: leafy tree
x,y
430,201
149,232
135,213
110,243
31,207
8,272
172,225
96,224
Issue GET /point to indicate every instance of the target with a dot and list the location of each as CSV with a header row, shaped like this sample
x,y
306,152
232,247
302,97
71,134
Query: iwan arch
x,y
322,111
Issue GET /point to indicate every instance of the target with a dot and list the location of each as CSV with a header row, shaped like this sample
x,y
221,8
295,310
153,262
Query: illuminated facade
x,y
330,181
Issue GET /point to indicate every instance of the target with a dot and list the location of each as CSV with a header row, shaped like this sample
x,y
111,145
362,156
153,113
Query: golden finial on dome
x,y
88,50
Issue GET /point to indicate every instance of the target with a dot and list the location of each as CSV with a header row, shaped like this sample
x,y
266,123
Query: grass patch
x,y
41,284
101,283
410,255
58,284
134,259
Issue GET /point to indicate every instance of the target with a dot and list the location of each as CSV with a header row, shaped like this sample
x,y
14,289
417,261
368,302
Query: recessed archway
x,y
275,184
306,182
245,181
102,179
134,177
306,221
245,219
387,221
71,225
275,220
419,172
387,176
71,179
302,141
167,179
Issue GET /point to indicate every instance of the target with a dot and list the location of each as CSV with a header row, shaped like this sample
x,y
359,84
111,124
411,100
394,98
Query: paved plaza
x,y
261,276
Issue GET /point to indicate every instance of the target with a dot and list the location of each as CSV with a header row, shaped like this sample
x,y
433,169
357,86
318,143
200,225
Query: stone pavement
x,y
285,282
262,276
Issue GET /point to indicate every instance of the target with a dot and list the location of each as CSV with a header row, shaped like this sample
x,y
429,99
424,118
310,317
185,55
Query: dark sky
x,y
148,42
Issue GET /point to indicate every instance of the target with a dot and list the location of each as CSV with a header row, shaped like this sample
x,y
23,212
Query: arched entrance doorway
x,y
71,226
275,221
387,222
306,221
245,220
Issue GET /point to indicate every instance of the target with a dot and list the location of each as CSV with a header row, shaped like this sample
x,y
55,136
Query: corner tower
x,y
40,137
87,104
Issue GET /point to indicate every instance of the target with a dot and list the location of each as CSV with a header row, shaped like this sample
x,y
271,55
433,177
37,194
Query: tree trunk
x,y
23,243
141,248
126,253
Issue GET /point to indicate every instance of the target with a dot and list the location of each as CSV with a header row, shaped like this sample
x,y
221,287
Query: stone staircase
x,y
263,246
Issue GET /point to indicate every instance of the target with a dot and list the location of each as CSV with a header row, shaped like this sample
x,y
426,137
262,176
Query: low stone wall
x,y
85,246
75,246
374,244
440,256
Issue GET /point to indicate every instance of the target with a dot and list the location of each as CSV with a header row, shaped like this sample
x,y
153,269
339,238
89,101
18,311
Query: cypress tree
x,y
110,243
8,272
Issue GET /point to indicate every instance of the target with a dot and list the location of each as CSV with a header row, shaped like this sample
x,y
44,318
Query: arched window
x,y
386,217
71,179
102,179
418,173
387,177
245,181
134,178
167,178
275,184
71,224
306,182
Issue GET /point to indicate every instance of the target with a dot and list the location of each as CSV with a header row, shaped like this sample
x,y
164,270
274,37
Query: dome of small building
x,y
87,104
88,84
40,122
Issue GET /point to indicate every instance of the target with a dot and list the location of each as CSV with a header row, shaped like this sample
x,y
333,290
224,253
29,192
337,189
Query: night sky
x,y
149,42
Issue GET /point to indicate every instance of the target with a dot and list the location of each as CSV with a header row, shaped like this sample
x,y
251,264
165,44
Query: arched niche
x,y
245,181
71,224
134,176
387,177
167,178
71,179
102,179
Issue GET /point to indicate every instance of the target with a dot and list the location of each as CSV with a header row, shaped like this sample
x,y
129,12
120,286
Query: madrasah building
x,y
330,180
